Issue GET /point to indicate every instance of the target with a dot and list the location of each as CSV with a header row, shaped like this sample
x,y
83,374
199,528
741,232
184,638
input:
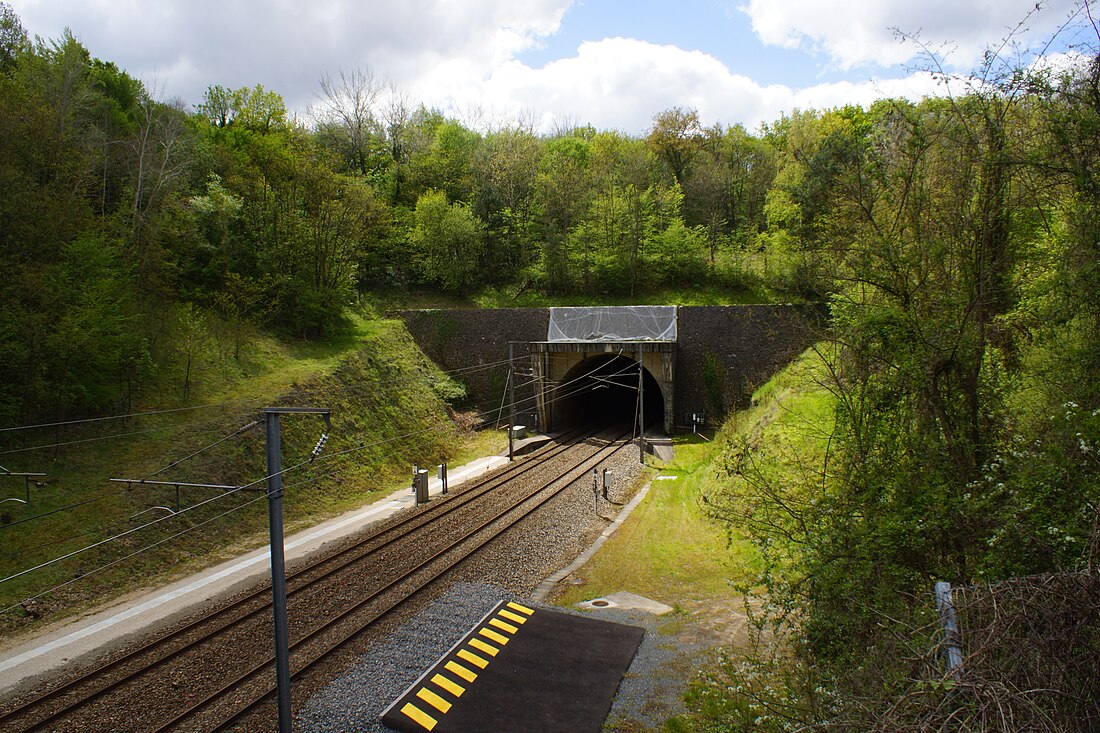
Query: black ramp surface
x,y
521,669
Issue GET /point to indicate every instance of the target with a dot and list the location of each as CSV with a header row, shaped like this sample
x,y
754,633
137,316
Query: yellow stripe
x,y
449,685
461,671
490,634
503,625
473,658
419,716
513,617
522,609
482,646
433,699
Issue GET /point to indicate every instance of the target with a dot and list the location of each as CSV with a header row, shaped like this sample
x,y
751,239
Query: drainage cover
x,y
521,669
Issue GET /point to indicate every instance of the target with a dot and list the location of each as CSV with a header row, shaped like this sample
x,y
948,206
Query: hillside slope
x,y
92,540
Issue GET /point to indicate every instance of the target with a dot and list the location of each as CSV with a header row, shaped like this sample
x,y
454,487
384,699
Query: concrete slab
x,y
628,602
660,446
25,659
529,444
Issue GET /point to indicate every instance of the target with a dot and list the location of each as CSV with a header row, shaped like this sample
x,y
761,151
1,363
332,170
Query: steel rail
x,y
562,480
338,562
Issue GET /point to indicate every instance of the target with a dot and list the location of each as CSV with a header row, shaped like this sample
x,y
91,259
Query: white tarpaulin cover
x,y
613,323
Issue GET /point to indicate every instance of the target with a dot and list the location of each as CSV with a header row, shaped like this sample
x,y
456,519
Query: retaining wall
x,y
723,352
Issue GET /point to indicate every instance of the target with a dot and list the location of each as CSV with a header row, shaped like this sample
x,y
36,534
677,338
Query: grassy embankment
x,y
388,411
672,550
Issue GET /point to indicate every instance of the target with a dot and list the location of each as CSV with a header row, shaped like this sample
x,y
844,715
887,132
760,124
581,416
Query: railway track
x,y
212,672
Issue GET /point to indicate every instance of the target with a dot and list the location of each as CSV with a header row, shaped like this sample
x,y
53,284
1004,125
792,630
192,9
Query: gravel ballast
x,y
650,692
355,701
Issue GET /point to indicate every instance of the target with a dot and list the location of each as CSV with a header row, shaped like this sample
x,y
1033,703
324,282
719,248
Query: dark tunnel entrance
x,y
604,389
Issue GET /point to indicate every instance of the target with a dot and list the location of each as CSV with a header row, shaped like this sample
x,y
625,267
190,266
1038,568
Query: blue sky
x,y
548,63
711,26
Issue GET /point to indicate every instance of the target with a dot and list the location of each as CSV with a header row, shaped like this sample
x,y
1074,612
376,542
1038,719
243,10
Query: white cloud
x,y
621,84
854,33
288,45
459,56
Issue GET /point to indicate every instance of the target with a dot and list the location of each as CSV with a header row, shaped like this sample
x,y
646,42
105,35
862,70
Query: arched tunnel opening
x,y
604,389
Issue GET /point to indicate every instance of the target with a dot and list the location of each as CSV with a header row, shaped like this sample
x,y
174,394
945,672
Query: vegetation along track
x,y
184,676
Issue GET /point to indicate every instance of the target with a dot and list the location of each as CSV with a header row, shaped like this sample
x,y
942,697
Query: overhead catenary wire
x,y
134,554
191,408
482,415
284,471
120,417
170,428
216,443
55,511
61,444
106,494
265,478
117,537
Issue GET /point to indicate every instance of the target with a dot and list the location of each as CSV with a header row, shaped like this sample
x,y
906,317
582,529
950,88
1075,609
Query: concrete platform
x,y
521,669
24,659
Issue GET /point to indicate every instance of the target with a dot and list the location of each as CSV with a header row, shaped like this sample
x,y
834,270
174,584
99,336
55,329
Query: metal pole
x,y
511,402
595,491
950,624
641,410
278,567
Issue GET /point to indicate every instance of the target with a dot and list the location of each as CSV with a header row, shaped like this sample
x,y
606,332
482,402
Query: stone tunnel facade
x,y
721,355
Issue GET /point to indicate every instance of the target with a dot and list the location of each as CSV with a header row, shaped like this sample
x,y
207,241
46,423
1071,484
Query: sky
x,y
614,64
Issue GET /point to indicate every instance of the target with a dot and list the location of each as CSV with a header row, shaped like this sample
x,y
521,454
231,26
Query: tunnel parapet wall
x,y
722,353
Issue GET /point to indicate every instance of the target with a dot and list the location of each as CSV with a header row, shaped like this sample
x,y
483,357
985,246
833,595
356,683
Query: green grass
x,y
511,298
388,412
793,408
672,550
668,549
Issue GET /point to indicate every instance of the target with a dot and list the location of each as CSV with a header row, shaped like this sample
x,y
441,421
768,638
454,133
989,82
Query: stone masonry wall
x,y
723,352
464,338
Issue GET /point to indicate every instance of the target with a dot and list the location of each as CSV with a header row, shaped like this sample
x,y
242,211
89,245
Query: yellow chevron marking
x,y
490,634
433,699
473,658
449,685
419,716
503,625
513,617
461,671
483,647
522,609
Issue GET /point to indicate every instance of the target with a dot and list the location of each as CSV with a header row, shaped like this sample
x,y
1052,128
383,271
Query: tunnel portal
x,y
604,389
589,383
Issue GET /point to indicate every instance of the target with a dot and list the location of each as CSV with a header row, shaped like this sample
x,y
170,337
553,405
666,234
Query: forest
x,y
954,241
